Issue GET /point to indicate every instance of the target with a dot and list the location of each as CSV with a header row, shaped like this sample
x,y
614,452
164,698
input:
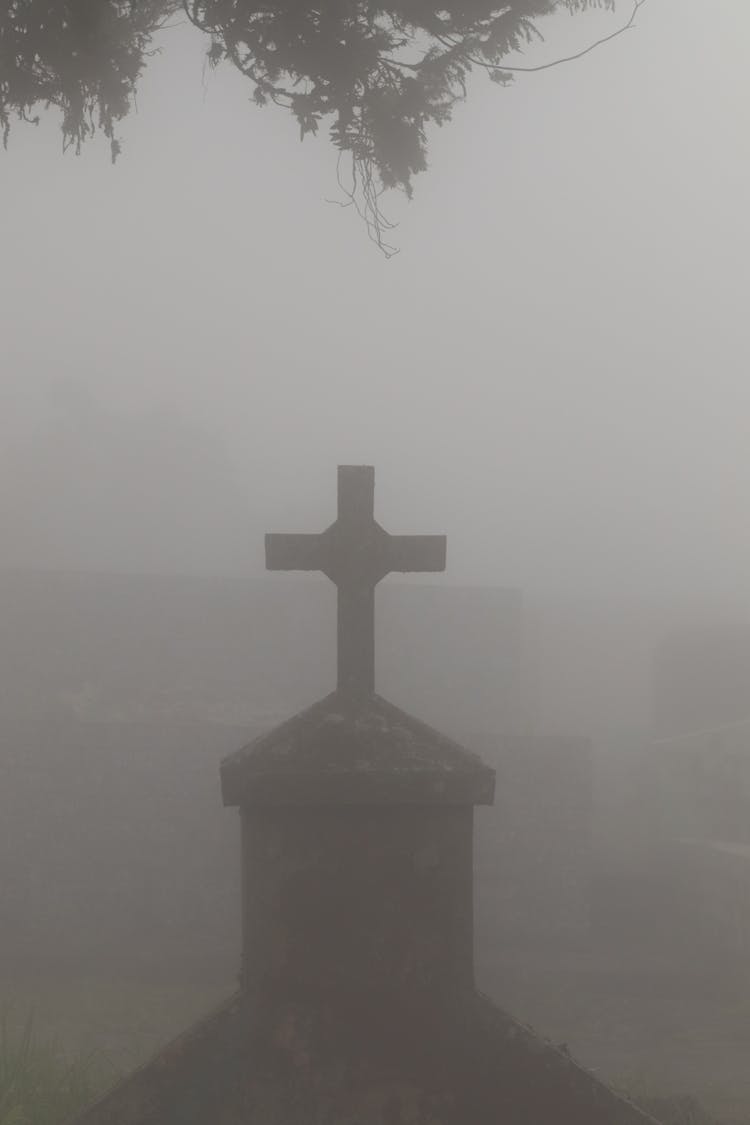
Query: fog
x,y
552,371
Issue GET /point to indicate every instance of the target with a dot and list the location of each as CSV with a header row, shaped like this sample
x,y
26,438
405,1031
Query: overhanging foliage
x,y
378,73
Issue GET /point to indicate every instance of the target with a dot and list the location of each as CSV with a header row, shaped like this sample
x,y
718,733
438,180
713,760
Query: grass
x,y
124,1018
92,1028
87,1032
38,1084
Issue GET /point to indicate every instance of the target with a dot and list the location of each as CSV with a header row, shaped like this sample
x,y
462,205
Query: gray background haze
x,y
553,370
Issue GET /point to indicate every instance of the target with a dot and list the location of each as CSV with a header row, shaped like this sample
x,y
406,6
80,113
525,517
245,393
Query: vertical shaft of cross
x,y
356,589
356,640
355,553
356,496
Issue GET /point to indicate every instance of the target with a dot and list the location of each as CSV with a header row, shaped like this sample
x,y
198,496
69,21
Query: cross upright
x,y
355,553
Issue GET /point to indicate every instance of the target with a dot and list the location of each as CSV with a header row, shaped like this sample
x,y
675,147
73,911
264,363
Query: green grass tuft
x,y
38,1084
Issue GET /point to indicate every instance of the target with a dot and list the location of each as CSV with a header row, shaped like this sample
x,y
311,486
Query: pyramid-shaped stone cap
x,y
339,752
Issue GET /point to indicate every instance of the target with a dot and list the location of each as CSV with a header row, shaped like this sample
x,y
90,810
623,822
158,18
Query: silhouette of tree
x,y
380,71
83,57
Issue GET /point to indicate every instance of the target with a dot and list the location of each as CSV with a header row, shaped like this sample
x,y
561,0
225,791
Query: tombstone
x,y
172,649
697,777
357,1003
534,862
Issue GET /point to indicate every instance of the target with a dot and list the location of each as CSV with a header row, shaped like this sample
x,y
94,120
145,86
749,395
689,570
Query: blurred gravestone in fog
x,y
159,648
701,751
699,776
128,675
675,846
702,680
534,849
113,848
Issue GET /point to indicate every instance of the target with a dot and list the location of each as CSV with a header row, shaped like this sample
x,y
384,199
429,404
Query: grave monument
x,y
357,1003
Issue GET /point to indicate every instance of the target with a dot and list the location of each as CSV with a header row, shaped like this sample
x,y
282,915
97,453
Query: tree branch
x,y
637,5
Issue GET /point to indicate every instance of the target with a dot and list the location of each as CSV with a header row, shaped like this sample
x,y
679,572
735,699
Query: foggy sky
x,y
554,370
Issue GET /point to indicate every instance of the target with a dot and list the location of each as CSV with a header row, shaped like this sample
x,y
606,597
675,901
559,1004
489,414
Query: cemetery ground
x,y
662,1029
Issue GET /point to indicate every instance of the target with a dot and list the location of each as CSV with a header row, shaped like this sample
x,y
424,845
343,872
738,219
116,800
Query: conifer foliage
x,y
377,73
83,57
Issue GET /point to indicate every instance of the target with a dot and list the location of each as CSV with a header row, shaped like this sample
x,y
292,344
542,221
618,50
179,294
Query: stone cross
x,y
355,553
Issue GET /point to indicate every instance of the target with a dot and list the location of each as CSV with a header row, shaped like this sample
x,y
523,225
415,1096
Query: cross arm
x,y
296,552
410,553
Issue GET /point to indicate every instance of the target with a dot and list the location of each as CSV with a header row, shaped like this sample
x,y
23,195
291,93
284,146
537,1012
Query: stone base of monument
x,y
459,1062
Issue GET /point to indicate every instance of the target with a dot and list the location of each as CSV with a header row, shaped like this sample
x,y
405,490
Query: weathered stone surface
x,y
340,901
371,753
458,1062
